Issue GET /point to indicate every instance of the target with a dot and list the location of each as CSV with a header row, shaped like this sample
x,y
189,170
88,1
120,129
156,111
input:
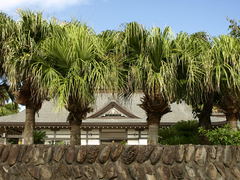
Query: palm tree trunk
x,y
205,120
77,112
155,107
153,128
230,104
75,133
205,114
29,125
232,120
153,133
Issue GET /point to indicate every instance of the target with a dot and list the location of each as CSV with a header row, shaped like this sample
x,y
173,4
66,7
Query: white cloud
x,y
12,5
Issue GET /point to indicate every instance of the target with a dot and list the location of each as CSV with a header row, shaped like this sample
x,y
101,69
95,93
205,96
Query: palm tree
x,y
224,75
8,29
74,67
109,49
151,68
192,69
159,78
31,30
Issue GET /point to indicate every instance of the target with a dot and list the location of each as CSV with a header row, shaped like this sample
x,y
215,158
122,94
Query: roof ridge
x,y
110,105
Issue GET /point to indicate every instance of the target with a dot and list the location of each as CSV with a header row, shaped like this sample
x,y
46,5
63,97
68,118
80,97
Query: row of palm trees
x,y
70,63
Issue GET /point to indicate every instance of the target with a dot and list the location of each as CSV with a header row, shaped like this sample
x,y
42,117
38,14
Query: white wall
x,y
134,138
91,137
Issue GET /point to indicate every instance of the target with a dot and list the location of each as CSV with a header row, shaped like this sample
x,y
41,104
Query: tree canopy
x,y
67,61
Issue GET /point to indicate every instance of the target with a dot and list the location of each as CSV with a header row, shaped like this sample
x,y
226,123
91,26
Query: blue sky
x,y
182,15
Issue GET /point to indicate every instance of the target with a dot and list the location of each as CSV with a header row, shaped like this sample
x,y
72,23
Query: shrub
x,y
183,132
7,109
224,135
12,140
39,137
59,143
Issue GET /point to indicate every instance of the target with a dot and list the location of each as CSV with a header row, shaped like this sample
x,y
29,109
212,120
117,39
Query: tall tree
x,y
151,69
224,63
192,69
8,29
32,29
234,28
159,78
73,67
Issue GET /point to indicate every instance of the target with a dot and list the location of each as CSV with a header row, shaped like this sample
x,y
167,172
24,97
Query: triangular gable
x,y
113,105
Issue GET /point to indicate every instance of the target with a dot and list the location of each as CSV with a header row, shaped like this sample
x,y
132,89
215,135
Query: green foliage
x,y
12,140
39,137
234,28
224,135
59,143
123,142
36,56
8,109
183,132
72,60
27,34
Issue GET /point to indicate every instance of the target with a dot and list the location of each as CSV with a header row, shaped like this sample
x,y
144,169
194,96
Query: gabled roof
x,y
113,105
133,114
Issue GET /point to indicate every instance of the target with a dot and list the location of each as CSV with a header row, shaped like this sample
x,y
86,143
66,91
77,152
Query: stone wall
x,y
20,162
